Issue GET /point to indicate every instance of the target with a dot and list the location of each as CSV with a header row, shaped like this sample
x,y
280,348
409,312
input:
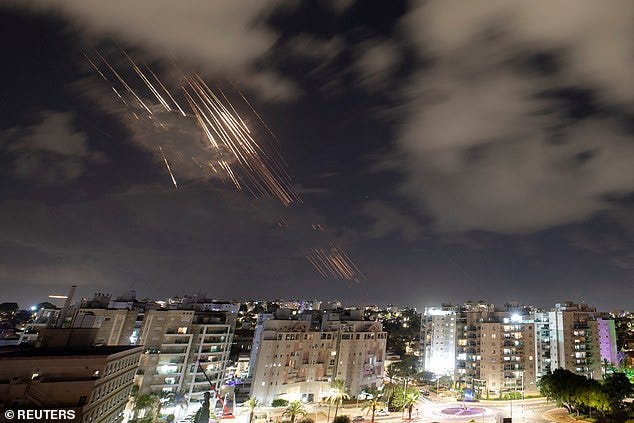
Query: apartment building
x,y
292,361
581,339
543,361
185,351
507,356
438,339
114,326
93,381
511,348
469,318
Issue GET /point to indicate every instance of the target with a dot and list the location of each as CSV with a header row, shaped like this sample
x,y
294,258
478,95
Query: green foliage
x,y
279,402
338,394
617,387
341,419
404,399
586,396
512,396
374,403
252,403
294,409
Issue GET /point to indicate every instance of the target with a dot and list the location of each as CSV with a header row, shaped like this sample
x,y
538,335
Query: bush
x,y
280,402
512,396
341,419
307,420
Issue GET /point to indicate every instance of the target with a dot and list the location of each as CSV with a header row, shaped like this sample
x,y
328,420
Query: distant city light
x,y
59,297
516,318
33,308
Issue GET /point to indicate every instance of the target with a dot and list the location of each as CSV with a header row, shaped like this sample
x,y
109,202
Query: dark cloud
x,y
494,121
51,151
481,147
221,37
388,220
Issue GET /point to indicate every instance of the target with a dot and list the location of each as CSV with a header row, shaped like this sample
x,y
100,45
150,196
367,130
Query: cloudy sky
x,y
455,150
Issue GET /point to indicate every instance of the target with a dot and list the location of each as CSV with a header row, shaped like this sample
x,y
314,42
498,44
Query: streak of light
x,y
334,263
167,165
166,91
125,84
255,112
147,82
95,67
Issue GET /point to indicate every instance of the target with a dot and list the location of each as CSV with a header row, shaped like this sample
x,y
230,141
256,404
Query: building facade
x,y
185,351
95,382
438,340
290,361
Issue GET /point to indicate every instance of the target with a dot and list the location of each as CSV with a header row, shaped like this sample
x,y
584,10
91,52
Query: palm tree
x,y
252,403
145,401
372,404
338,395
410,397
294,409
162,397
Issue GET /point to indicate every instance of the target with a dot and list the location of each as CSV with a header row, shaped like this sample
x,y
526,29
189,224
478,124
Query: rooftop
x,y
19,351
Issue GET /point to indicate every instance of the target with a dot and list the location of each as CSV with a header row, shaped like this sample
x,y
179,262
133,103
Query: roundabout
x,y
463,411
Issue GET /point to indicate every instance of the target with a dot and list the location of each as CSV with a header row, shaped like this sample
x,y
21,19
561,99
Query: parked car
x,y
381,413
358,419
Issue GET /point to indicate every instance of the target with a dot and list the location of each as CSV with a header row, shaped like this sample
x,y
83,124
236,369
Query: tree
x,y
407,369
252,403
426,377
145,402
410,397
338,395
582,395
372,404
202,415
295,409
341,419
617,387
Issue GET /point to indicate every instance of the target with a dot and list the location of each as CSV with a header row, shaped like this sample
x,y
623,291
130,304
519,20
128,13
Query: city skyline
x,y
493,161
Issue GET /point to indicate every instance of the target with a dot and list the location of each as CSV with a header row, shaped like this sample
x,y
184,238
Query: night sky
x,y
455,150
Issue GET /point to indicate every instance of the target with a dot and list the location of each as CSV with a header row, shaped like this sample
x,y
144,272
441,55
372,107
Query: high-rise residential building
x,y
507,355
469,318
541,324
504,349
581,339
438,339
292,361
185,351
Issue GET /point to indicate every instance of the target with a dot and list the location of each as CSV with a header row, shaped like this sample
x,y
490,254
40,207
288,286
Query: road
x,y
429,410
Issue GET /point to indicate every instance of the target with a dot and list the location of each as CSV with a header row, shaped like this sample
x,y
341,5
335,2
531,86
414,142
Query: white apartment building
x,y
438,340
291,361
185,351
